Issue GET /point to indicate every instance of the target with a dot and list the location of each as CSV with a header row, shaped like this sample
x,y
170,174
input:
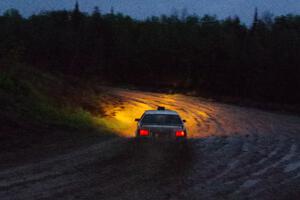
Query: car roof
x,y
162,112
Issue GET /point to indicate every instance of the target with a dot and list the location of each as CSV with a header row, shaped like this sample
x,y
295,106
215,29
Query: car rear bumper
x,y
161,138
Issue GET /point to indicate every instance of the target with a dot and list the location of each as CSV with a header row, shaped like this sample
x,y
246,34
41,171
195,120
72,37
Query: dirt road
x,y
232,153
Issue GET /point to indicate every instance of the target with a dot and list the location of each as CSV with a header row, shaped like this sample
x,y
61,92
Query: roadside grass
x,y
42,98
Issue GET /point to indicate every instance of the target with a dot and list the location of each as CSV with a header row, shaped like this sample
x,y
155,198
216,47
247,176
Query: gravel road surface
x,y
232,153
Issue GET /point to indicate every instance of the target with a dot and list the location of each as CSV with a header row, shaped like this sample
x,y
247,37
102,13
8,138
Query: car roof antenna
x,y
161,108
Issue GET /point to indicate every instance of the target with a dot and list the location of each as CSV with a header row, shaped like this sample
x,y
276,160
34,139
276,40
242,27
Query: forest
x,y
214,57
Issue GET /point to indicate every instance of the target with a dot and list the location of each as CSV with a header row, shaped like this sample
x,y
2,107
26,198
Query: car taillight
x,y
180,133
144,132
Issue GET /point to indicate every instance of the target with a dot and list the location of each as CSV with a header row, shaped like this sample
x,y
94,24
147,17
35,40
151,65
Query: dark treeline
x,y
211,56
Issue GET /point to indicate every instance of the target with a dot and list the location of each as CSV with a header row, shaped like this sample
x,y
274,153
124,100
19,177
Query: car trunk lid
x,y
159,131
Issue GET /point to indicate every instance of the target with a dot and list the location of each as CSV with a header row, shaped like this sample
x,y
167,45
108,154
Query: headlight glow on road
x,y
119,115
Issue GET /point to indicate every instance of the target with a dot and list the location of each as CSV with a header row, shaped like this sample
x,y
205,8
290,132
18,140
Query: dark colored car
x,y
161,124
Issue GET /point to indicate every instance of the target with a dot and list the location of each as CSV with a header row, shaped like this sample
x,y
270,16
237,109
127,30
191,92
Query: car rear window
x,y
161,119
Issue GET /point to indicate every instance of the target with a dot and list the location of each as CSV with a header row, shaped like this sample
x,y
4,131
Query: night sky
x,y
140,9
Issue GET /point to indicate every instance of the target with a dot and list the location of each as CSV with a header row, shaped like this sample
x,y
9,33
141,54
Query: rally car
x,y
161,124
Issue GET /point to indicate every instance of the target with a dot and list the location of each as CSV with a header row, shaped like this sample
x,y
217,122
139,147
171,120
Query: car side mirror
x,y
184,121
137,120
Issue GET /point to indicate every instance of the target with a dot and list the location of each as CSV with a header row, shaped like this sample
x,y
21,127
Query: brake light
x,y
144,132
180,133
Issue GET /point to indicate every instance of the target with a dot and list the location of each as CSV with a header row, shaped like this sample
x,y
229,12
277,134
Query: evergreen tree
x,y
76,16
